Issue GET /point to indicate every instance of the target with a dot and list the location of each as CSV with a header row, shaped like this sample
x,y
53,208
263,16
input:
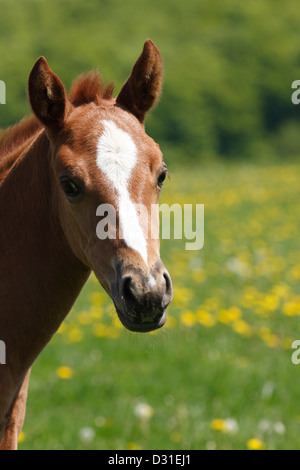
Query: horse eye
x,y
161,179
70,188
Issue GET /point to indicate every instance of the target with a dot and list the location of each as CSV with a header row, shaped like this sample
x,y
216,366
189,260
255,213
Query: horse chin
x,y
144,327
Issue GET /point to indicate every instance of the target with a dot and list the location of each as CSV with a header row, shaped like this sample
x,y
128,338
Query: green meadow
x,y
219,375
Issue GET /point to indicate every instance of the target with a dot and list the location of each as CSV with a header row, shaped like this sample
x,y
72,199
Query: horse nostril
x,y
127,287
168,283
169,290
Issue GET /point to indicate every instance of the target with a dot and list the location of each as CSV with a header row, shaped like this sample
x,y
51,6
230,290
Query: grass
x,y
219,375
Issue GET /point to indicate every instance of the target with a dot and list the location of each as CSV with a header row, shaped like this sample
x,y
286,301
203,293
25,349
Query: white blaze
x,y
116,158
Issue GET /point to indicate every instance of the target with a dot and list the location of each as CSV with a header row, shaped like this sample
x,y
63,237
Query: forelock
x,y
90,88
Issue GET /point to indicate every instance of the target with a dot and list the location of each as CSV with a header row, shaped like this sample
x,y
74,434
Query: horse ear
x,y
142,89
47,95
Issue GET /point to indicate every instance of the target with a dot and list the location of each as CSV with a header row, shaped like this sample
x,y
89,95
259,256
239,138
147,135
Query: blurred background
x,y
219,375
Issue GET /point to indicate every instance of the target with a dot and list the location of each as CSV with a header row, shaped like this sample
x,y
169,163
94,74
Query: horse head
x,y
107,177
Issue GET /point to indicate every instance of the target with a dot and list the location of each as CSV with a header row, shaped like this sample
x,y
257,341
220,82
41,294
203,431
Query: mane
x,y
14,138
85,89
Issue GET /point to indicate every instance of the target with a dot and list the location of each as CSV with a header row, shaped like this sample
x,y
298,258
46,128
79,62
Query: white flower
x,y
237,266
264,425
86,434
231,425
279,427
143,410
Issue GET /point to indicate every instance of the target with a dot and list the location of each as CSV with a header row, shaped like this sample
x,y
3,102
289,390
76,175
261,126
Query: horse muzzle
x,y
141,300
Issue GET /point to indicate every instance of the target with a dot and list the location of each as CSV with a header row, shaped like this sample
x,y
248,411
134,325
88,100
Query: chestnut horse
x,y
74,154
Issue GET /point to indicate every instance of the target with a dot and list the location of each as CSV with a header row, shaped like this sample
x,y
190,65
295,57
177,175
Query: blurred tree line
x,y
228,66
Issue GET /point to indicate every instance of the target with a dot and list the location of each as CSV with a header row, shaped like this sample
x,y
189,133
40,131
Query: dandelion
x,y
205,318
63,327
182,295
250,297
96,312
230,315
74,335
103,331
282,290
97,298
271,340
295,272
21,437
64,372
188,318
255,444
291,308
241,327
219,425
84,317
228,425
270,302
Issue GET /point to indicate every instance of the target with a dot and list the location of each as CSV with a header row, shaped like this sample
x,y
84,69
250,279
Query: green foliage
x,y
229,66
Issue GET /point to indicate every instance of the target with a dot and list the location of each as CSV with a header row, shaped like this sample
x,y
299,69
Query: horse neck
x,y
40,277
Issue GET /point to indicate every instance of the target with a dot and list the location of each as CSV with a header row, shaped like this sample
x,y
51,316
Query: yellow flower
x,y
291,308
103,331
241,327
182,295
84,317
229,425
270,302
268,337
295,272
256,444
21,437
74,335
219,425
205,318
62,328
188,318
282,290
64,372
97,298
230,315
